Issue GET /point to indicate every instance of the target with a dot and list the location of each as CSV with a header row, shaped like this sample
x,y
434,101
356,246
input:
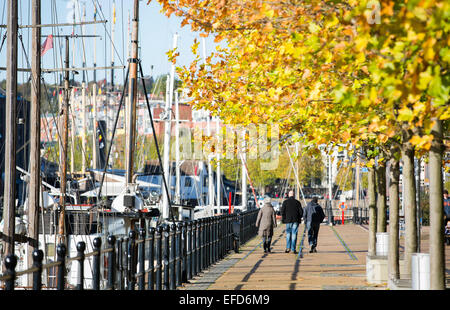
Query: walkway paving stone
x,y
339,264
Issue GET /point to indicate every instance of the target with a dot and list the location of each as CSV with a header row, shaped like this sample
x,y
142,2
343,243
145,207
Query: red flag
x,y
48,44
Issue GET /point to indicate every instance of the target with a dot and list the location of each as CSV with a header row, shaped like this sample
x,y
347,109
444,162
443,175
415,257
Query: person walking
x,y
291,215
446,207
266,221
313,217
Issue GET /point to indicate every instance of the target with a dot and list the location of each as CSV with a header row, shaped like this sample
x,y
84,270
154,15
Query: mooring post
x,y
81,246
97,243
111,262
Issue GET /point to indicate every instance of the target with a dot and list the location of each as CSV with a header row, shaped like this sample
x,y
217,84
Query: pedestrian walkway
x,y
339,264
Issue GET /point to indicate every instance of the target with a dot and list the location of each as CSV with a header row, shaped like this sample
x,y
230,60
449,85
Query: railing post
x,y
178,256
10,264
202,244
158,273
96,264
111,262
38,256
220,236
217,238
81,247
183,246
189,251
151,253
61,258
120,263
208,241
195,244
172,277
166,249
131,258
141,257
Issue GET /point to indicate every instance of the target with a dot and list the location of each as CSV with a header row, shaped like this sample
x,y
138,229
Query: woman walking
x,y
266,221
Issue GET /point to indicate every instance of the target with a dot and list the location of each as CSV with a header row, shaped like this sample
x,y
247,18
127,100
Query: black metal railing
x,y
161,258
354,215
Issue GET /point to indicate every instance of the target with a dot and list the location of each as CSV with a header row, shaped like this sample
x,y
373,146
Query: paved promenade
x,y
339,264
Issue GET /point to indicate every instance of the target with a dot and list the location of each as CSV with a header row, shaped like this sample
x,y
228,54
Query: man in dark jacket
x,y
313,217
291,215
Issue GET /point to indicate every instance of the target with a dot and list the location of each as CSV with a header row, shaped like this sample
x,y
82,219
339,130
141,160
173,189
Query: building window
x,y
187,182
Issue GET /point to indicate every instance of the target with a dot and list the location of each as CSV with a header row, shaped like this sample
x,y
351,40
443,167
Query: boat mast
x,y
177,152
113,30
132,93
9,193
35,129
63,147
94,99
167,131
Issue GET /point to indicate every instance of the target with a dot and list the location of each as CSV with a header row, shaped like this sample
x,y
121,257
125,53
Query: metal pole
x,y
9,193
218,169
244,173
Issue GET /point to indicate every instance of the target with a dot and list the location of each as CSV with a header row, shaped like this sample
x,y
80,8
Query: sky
x,y
156,33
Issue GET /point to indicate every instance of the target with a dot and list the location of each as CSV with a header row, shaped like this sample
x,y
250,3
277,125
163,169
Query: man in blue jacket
x,y
313,216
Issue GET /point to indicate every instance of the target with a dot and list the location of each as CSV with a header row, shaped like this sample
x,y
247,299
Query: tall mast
x,y
113,27
94,99
9,193
35,123
177,152
73,132
132,93
166,153
63,148
167,131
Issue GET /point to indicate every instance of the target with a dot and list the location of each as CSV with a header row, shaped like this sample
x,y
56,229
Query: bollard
x,y
38,256
10,264
178,254
158,258
151,258
141,258
172,277
111,262
81,247
189,251
131,260
60,258
96,264
166,232
120,263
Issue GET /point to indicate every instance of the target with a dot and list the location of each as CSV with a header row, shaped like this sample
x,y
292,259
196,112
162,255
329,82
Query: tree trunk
x,y
393,255
381,198
437,256
409,198
372,212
